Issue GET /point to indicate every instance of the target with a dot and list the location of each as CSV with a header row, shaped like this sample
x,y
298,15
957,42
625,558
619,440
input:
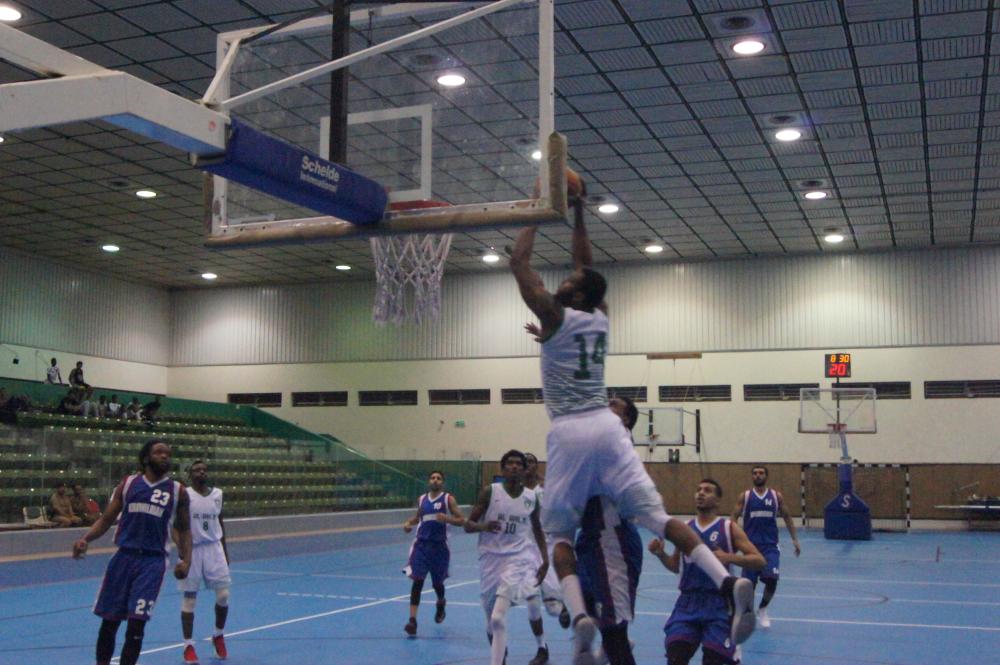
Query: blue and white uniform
x,y
589,450
429,552
135,573
700,615
608,563
208,558
760,521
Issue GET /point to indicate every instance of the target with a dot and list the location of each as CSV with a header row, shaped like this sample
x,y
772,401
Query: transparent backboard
x,y
843,410
659,427
482,144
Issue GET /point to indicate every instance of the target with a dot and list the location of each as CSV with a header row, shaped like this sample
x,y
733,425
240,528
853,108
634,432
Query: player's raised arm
x,y
789,522
533,292
101,526
746,555
183,526
583,256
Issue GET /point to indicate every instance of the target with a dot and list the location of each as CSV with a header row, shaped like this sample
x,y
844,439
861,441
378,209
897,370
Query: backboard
x,y
484,146
837,410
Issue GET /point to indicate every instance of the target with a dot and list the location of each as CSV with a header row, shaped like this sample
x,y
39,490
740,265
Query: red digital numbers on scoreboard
x,y
837,365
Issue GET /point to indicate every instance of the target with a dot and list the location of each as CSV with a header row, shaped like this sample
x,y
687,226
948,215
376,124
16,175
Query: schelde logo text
x,y
316,168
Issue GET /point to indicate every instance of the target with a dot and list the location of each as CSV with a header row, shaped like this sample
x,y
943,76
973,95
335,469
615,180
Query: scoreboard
x,y
837,365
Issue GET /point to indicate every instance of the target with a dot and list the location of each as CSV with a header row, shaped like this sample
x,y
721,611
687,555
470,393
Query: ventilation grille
x,y
387,397
328,398
696,393
961,389
460,396
255,399
521,396
634,393
883,389
774,392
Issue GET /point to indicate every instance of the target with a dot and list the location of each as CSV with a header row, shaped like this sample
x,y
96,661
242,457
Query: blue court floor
x,y
901,599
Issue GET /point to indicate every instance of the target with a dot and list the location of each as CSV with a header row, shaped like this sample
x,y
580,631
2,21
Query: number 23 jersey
x,y
514,516
146,512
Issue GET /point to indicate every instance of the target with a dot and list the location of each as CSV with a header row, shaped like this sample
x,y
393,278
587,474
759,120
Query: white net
x,y
408,271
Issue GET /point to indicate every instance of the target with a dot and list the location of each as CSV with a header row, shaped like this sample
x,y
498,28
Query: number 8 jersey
x,y
573,363
146,513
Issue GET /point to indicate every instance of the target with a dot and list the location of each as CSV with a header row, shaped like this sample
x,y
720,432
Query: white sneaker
x,y
584,631
762,619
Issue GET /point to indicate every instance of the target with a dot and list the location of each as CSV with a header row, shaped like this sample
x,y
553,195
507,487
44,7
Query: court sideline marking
x,y
310,617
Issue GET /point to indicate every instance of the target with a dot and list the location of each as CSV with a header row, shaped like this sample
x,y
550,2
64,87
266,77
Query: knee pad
x,y
709,657
498,622
222,596
188,602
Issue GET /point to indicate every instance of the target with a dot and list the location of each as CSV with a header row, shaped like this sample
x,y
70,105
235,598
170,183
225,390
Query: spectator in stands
x,y
115,408
89,406
102,407
151,409
52,373
62,508
134,410
72,403
76,376
84,506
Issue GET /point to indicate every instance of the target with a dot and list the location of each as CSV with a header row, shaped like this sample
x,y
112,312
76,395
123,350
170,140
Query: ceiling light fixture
x,y
537,155
491,257
815,196
608,209
788,135
653,248
110,248
748,47
8,13
146,194
833,237
342,266
208,275
451,80
1,139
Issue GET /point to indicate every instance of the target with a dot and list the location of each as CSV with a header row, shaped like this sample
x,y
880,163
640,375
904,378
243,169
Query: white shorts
x,y
590,453
208,566
510,576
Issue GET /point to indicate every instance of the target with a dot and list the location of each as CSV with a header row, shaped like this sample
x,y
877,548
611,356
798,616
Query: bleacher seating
x,y
261,474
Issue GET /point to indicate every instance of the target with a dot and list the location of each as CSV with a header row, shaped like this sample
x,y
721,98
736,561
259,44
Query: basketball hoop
x,y
408,272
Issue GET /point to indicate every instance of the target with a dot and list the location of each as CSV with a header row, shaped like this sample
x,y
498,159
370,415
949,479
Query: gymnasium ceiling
x,y
898,102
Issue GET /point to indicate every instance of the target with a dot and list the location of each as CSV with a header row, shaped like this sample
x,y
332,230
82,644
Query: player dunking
x,y
503,516
209,560
700,616
429,552
146,502
759,507
590,452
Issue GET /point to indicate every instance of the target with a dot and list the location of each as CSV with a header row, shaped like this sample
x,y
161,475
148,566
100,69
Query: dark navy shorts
x,y
772,557
429,557
701,617
130,587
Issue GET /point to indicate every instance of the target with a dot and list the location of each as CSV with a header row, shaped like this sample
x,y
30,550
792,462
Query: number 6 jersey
x,y
146,512
573,363
514,516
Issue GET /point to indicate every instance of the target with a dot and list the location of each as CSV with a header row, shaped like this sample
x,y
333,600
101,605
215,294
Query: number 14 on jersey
x,y
594,353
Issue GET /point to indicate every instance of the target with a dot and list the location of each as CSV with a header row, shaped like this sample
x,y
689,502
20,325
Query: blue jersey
x,y
717,536
146,513
429,528
760,517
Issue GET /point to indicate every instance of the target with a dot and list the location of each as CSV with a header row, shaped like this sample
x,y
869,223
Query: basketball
x,y
574,185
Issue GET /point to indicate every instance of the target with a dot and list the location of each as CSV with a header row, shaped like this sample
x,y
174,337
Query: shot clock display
x,y
838,365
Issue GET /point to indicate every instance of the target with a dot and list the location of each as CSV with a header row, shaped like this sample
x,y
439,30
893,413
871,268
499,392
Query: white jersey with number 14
x,y
573,363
